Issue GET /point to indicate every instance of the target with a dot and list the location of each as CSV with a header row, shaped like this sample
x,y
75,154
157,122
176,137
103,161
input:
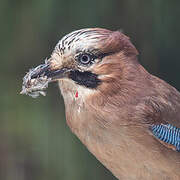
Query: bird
x,y
127,118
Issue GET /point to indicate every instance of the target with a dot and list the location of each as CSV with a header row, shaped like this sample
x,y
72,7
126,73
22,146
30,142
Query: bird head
x,y
91,59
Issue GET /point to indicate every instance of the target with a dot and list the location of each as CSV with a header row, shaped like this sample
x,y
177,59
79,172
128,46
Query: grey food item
x,y
35,85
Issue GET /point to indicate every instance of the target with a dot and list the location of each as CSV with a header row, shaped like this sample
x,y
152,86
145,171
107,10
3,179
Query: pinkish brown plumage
x,y
122,114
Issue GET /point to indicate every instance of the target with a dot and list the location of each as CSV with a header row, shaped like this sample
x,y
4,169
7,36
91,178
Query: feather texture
x,y
111,104
168,134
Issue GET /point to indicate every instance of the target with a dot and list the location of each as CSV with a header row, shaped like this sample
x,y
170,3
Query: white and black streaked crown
x,y
80,39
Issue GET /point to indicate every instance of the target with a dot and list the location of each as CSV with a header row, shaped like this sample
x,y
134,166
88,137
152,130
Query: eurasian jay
x,y
126,117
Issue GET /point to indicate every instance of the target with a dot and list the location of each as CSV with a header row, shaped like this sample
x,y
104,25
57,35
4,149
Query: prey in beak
x,y
38,78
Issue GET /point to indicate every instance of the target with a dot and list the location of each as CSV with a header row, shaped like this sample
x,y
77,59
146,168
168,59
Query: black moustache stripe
x,y
86,78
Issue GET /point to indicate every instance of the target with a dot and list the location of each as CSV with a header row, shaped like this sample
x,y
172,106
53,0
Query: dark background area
x,y
35,142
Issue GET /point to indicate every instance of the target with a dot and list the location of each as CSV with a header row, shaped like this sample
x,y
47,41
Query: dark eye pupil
x,y
85,59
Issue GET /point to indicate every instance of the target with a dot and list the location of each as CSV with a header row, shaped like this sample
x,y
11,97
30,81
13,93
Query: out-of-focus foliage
x,y
35,142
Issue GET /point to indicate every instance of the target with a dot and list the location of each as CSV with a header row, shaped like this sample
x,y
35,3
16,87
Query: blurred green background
x,y
35,142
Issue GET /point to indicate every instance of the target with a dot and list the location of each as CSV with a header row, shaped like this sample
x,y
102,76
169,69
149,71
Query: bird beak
x,y
37,79
46,70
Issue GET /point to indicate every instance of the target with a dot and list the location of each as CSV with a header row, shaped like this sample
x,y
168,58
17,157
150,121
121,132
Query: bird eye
x,y
85,59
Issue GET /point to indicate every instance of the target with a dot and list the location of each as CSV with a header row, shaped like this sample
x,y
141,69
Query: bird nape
x,y
128,118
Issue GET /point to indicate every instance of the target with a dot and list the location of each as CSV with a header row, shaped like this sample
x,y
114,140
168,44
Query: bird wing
x,y
168,135
163,107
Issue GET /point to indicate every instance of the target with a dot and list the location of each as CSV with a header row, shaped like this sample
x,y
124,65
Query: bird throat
x,y
86,78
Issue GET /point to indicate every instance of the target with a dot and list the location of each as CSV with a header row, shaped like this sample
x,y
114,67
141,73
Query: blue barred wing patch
x,y
168,134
